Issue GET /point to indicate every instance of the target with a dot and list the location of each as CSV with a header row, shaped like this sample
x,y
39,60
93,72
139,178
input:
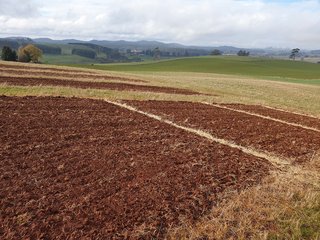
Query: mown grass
x,y
8,90
277,70
247,90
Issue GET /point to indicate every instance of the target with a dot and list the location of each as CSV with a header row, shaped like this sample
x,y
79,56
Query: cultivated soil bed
x,y
278,114
280,139
29,81
86,169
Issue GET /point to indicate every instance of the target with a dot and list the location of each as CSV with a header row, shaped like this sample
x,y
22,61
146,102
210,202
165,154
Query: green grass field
x,y
65,59
278,70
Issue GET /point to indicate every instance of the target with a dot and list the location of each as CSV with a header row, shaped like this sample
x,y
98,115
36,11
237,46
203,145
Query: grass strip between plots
x,y
265,117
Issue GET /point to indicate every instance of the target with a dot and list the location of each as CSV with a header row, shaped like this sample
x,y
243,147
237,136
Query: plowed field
x,y
278,114
274,137
86,169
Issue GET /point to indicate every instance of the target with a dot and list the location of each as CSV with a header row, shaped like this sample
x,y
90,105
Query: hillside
x,y
282,70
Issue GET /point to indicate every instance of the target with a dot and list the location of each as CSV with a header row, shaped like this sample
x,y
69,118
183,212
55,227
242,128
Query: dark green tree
x,y
294,53
8,54
216,52
156,53
243,53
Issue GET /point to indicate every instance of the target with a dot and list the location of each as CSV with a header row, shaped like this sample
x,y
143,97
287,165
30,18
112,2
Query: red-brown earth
x,y
274,137
86,169
278,114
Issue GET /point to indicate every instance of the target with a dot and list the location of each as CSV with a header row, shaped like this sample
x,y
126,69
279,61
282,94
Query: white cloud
x,y
251,23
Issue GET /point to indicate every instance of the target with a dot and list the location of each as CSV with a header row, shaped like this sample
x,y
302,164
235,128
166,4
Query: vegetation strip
x,y
29,81
268,156
37,67
296,113
262,116
69,74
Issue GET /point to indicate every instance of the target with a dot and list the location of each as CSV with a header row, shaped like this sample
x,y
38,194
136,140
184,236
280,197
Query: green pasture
x,y
272,69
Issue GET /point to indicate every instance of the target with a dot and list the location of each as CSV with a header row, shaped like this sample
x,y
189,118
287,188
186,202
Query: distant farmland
x,y
281,70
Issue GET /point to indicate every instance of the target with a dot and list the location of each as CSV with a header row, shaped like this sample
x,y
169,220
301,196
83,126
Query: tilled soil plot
x,y
251,131
70,74
77,168
29,81
278,114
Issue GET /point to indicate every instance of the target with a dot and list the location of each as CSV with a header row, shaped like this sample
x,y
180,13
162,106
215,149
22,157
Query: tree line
x,y
28,53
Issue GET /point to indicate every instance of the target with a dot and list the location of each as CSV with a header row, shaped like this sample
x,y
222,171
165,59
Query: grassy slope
x,y
279,70
65,59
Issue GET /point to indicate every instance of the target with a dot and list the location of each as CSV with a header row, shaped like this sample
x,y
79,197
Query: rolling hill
x,y
283,70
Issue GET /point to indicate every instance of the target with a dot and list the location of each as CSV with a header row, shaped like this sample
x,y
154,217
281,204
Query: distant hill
x,y
14,42
104,51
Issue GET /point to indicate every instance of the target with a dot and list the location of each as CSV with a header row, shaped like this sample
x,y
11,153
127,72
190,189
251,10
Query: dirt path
x,y
78,168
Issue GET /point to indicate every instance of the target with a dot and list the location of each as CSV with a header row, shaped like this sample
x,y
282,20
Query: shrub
x,y
29,53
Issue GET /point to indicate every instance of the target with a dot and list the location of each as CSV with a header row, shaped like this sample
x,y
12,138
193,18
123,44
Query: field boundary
x,y
293,112
262,116
273,159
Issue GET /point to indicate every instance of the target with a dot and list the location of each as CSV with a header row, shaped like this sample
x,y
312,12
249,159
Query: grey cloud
x,y
252,23
18,8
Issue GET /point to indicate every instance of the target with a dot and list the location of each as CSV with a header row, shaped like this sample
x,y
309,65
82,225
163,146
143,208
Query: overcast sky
x,y
242,23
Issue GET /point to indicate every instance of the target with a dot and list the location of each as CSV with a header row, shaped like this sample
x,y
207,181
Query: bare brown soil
x,y
86,169
251,131
29,81
65,74
278,114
